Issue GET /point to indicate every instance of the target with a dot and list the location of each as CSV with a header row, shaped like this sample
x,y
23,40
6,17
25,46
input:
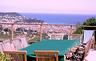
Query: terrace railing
x,y
75,37
89,45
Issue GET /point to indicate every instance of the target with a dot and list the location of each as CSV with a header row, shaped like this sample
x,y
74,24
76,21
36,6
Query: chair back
x,y
46,55
16,55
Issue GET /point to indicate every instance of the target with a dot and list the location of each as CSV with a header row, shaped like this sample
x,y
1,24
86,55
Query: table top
x,y
63,46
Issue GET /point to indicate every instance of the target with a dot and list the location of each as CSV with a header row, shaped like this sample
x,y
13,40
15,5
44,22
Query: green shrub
x,y
3,57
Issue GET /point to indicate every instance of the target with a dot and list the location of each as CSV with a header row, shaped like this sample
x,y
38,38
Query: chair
x,y
16,55
46,55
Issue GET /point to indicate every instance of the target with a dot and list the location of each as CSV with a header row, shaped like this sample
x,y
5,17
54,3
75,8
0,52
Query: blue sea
x,y
60,18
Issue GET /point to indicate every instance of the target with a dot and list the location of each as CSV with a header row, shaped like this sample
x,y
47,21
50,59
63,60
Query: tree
x,y
79,29
65,37
1,28
36,38
7,30
45,36
88,22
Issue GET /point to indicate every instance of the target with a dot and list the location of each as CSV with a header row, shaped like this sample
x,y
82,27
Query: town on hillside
x,y
31,39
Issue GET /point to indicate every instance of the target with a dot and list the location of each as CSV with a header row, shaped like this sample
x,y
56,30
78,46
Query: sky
x,y
49,6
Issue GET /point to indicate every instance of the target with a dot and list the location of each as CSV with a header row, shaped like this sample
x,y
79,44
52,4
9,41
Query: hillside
x,y
16,17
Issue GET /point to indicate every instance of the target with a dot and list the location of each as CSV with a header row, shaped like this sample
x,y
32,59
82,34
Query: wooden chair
x,y
46,55
16,55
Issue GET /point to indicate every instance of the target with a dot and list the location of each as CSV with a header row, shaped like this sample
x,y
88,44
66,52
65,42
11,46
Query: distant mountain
x,y
16,17
9,13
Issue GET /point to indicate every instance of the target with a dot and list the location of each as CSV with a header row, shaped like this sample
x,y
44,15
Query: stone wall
x,y
16,44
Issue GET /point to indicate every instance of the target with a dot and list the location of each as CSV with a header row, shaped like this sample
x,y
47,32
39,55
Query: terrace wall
x,y
9,45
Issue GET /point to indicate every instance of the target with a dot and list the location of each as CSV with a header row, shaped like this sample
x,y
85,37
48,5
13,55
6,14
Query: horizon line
x,y
50,13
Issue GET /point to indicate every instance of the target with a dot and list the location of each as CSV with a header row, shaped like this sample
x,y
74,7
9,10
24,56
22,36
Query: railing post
x,y
40,32
12,32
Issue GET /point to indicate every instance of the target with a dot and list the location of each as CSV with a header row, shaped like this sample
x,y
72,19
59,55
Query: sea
x,y
60,18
